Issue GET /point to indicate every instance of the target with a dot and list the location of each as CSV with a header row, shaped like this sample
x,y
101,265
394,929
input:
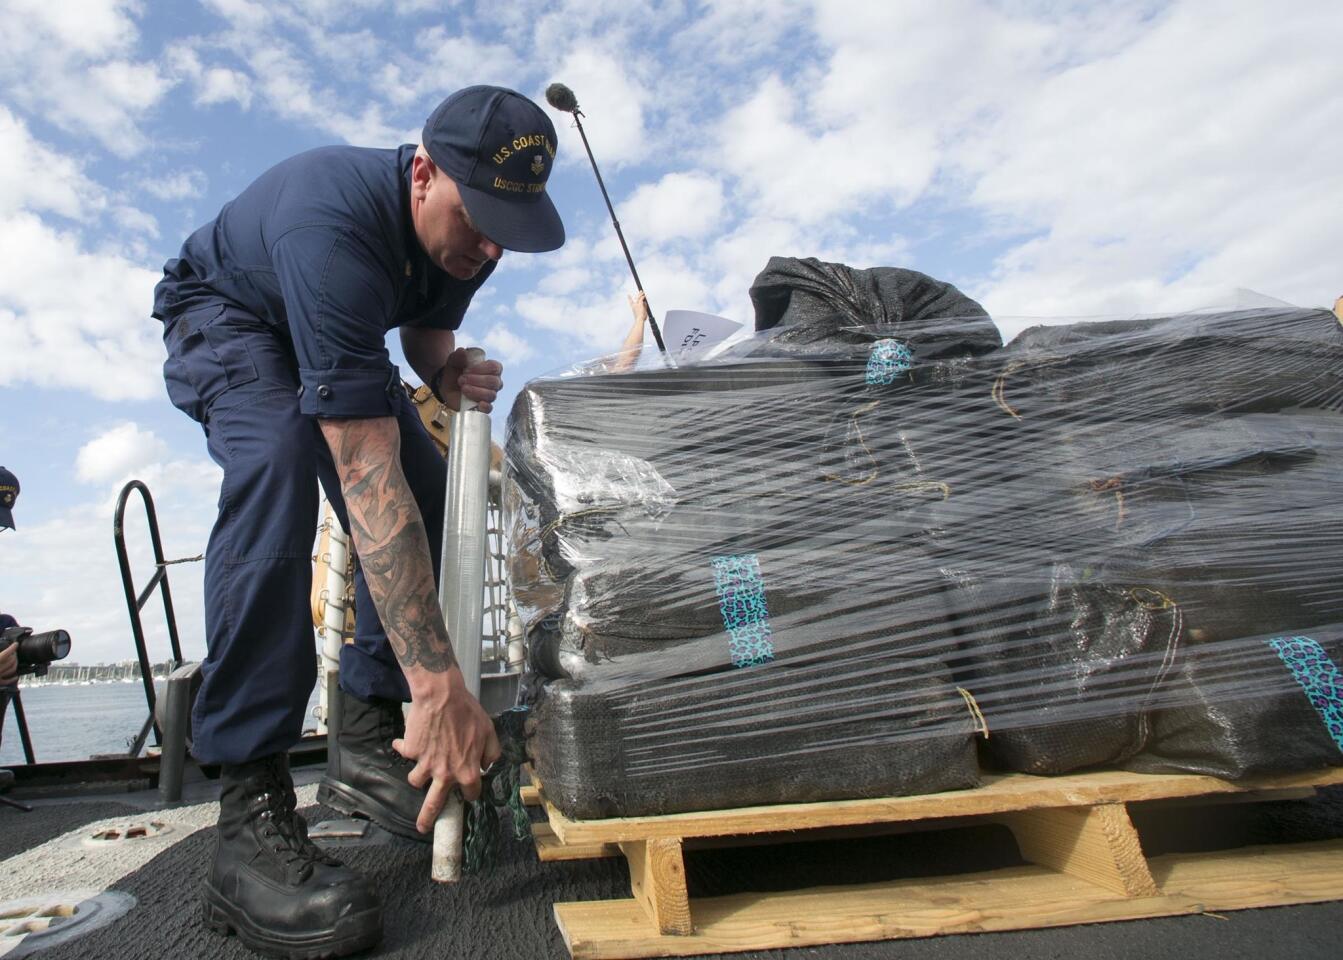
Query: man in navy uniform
x,y
274,318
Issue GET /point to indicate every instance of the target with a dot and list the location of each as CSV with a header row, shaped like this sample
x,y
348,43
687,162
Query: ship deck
x,y
507,912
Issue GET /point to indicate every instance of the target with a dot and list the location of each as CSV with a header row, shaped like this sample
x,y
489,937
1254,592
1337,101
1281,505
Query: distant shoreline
x,y
74,674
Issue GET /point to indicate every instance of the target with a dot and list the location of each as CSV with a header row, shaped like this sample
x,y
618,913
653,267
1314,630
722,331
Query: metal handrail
x,y
135,602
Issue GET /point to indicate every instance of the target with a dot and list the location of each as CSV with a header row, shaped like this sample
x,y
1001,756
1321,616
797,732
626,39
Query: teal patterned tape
x,y
886,361
1319,678
741,600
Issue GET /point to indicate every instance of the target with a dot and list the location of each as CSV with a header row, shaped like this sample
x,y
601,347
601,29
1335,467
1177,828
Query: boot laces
x,y
392,726
285,830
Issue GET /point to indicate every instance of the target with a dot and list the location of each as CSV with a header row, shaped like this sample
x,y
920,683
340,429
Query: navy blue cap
x,y
498,147
9,492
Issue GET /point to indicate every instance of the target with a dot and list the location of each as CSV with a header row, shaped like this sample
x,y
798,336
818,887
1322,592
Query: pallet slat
x,y
999,794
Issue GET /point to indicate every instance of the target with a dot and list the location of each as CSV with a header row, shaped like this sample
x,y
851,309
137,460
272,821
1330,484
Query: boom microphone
x,y
562,98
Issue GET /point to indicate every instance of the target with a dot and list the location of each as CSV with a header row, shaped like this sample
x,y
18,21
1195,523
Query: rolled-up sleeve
x,y
338,297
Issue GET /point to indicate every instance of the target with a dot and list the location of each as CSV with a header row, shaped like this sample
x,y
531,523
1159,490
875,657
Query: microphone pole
x,y
562,98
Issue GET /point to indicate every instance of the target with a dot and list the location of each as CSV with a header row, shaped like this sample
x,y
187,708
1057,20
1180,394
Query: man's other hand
x,y
451,738
480,382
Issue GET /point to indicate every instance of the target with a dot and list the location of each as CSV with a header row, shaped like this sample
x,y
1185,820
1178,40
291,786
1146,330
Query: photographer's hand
x,y
9,665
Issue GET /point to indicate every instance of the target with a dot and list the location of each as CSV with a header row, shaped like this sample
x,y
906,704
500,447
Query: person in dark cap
x,y
274,319
9,657
9,670
9,492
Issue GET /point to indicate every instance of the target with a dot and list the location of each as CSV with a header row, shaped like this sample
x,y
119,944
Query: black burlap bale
x,y
815,302
1250,707
601,460
1235,520
789,731
651,603
1064,676
1165,368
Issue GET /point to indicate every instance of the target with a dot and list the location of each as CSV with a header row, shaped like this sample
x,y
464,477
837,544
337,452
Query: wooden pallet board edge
x,y
549,849
1000,794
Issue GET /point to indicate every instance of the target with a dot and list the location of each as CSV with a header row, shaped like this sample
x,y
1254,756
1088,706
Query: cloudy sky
x,y
1054,160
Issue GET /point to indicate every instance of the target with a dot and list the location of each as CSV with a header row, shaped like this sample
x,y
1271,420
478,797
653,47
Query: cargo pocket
x,y
207,357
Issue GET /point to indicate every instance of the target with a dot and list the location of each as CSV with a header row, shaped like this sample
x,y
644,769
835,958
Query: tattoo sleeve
x,y
390,539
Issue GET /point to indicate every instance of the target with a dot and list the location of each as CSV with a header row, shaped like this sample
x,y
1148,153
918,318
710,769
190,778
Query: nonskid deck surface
x,y
507,913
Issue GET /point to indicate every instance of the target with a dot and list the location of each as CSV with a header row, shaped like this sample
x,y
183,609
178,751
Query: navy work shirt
x,y
322,247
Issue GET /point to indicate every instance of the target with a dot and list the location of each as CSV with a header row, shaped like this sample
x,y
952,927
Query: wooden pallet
x,y
1087,865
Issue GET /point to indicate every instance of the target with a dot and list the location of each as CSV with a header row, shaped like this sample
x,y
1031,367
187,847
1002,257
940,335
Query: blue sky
x,y
1055,160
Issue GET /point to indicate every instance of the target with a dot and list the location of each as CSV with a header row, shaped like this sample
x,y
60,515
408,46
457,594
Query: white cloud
x,y
673,283
119,453
503,344
409,7
1168,171
451,58
731,32
784,167
564,280
93,335
213,84
612,102
396,88
180,185
86,27
242,14
680,205
293,89
74,64
222,85
597,321
135,221
33,176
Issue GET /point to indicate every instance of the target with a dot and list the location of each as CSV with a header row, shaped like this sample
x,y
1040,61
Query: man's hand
x,y
451,738
9,665
479,382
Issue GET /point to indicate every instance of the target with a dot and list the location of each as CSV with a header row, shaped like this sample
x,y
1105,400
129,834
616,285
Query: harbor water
x,y
75,721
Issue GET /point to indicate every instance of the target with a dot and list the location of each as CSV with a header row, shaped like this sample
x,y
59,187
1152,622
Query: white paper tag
x,y
689,334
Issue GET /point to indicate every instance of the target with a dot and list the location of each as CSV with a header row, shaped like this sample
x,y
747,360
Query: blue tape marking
x,y
886,361
741,600
1319,678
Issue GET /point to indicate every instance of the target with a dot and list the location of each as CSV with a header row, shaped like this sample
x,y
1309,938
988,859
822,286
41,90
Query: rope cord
x,y
981,725
500,790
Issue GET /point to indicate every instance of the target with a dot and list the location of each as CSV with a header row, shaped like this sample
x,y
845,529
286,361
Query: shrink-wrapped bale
x,y
832,560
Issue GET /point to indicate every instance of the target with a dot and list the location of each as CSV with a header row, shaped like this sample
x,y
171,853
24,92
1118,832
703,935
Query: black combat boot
x,y
365,777
271,885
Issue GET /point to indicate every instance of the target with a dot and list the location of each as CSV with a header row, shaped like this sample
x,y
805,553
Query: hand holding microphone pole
x,y
562,98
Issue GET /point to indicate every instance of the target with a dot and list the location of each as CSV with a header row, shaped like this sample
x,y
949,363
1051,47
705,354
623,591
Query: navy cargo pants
x,y
237,376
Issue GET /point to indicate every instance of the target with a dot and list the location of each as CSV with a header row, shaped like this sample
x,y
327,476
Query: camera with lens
x,y
37,651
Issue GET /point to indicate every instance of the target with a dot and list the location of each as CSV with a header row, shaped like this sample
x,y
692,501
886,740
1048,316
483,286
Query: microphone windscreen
x,y
561,98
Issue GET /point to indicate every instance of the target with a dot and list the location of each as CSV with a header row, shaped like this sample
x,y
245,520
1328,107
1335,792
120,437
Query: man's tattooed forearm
x,y
391,542
402,585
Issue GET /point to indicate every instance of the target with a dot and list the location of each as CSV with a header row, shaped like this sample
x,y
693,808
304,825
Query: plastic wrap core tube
x,y
462,588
